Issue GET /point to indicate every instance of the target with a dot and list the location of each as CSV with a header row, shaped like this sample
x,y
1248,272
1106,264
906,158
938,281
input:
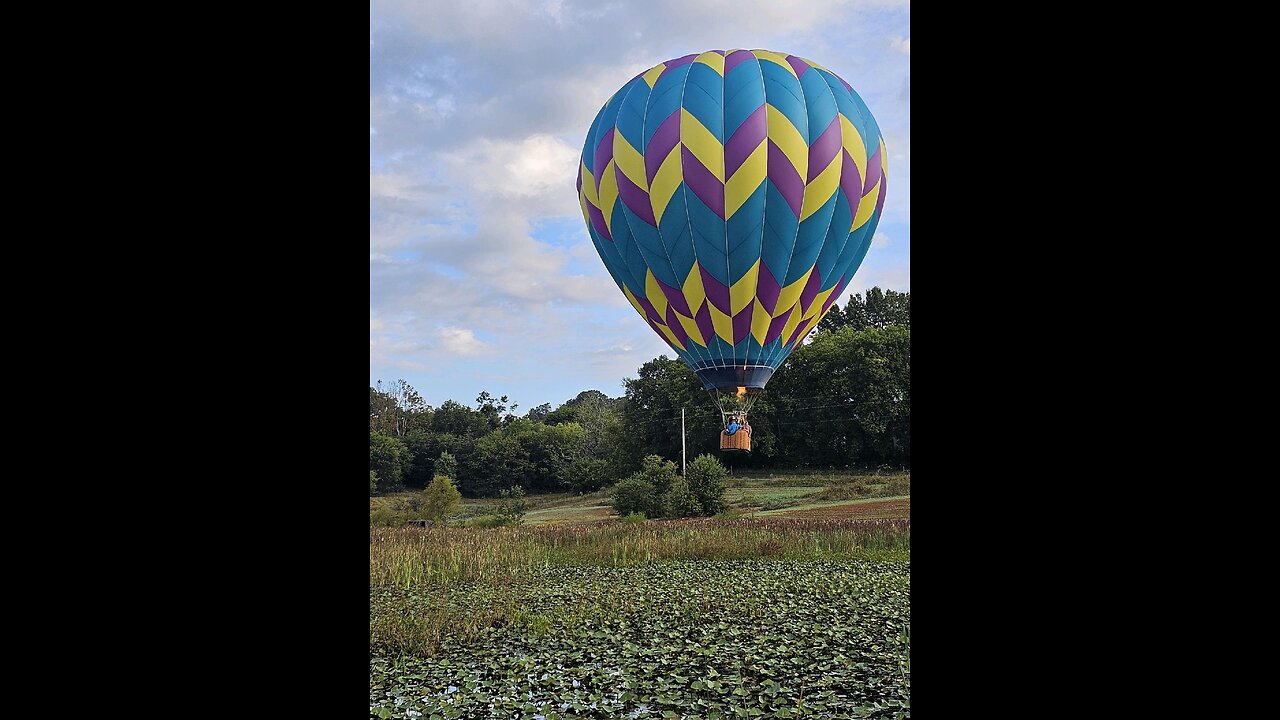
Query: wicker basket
x,y
740,440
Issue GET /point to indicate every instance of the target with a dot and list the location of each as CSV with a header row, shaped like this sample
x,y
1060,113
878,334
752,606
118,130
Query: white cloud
x,y
536,167
461,341
888,278
477,115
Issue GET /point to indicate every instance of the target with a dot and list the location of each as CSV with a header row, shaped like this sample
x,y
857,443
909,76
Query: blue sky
x,y
482,274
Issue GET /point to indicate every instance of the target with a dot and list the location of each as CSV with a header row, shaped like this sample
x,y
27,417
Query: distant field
x,y
755,494
871,509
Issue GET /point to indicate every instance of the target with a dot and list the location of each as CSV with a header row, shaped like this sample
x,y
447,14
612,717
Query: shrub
x,y
513,506
440,498
384,517
486,521
680,501
896,486
658,472
636,495
706,477
632,518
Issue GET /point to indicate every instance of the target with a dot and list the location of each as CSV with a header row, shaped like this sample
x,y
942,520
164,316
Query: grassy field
x,y
794,604
802,611
749,495
686,619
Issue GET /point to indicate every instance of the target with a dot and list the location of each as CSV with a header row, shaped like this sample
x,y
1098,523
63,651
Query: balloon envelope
x,y
732,196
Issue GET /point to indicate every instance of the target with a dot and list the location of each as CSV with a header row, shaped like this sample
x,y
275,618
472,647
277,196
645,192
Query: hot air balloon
x,y
732,196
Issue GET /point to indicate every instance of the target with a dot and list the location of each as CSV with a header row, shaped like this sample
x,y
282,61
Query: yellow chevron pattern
x,y
617,172
713,60
745,180
629,161
608,194
666,182
788,139
703,145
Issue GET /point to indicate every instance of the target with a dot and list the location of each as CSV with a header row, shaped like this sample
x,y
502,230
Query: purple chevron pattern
x,y
724,167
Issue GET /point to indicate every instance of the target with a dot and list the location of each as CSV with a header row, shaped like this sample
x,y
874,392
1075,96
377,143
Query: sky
x,y
482,276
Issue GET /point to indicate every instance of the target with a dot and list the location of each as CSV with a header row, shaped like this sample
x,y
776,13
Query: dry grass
x,y
407,557
862,510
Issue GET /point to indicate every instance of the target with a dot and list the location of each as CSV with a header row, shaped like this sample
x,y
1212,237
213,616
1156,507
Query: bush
x,y
706,477
680,501
440,498
384,517
896,486
659,473
513,506
373,483
657,491
486,521
634,517
636,495
843,490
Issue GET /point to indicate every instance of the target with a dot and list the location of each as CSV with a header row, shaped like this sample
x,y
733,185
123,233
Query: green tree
x,y
424,445
447,465
588,474
551,451
651,415
648,490
388,457
498,461
853,399
440,498
457,419
373,483
880,309
494,410
397,409
705,477
540,413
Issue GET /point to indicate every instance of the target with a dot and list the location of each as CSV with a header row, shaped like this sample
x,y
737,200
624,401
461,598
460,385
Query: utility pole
x,y
682,464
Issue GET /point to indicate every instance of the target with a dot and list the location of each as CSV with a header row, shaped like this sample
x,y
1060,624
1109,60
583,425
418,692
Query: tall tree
x,y
845,398
389,458
651,415
458,419
880,309
495,410
397,409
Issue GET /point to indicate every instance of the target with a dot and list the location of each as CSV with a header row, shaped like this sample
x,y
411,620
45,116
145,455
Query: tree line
x,y
842,399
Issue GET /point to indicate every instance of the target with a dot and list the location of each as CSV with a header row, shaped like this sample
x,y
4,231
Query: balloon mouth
x,y
740,380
